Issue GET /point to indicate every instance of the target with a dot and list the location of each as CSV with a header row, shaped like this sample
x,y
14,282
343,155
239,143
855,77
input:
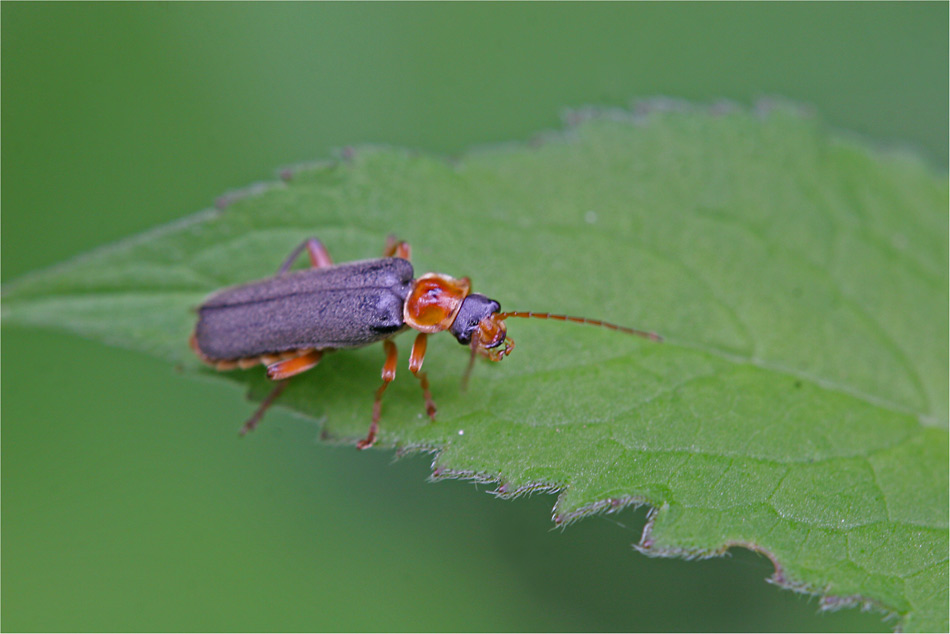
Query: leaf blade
x,y
798,406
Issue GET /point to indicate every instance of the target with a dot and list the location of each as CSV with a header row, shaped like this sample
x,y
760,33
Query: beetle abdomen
x,y
345,306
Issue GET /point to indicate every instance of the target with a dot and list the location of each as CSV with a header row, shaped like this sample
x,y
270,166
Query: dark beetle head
x,y
477,325
475,308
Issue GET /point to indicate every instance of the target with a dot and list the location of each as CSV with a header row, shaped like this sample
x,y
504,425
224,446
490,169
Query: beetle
x,y
287,322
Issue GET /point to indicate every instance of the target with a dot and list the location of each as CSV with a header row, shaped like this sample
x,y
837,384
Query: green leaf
x,y
798,406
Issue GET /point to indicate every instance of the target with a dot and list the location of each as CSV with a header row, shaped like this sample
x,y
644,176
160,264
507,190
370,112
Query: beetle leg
x,y
319,256
396,248
266,403
389,373
281,371
415,364
468,368
291,367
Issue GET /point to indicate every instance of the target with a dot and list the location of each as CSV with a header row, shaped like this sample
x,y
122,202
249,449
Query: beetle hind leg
x,y
281,371
263,407
293,366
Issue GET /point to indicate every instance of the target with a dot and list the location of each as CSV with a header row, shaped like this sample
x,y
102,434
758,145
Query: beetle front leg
x,y
389,373
396,248
415,365
319,256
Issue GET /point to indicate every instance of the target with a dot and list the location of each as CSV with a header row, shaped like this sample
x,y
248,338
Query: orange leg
x,y
292,367
415,365
319,256
278,372
396,248
389,373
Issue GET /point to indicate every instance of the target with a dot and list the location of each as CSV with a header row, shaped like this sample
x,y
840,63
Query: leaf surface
x,y
798,405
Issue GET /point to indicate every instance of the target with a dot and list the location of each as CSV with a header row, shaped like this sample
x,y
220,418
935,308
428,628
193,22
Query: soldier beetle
x,y
287,322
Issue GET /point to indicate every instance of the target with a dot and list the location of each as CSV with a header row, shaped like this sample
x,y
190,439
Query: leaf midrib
x,y
925,419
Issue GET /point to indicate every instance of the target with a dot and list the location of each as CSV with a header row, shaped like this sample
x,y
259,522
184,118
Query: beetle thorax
x,y
435,301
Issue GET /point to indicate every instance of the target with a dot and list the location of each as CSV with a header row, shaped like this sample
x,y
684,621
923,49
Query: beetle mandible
x,y
287,322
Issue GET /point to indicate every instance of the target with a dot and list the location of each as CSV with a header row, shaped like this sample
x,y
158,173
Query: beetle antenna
x,y
584,320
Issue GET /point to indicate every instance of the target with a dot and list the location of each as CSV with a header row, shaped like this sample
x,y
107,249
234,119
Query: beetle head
x,y
479,325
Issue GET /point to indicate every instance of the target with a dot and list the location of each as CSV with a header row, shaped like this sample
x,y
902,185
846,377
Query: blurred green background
x,y
128,501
